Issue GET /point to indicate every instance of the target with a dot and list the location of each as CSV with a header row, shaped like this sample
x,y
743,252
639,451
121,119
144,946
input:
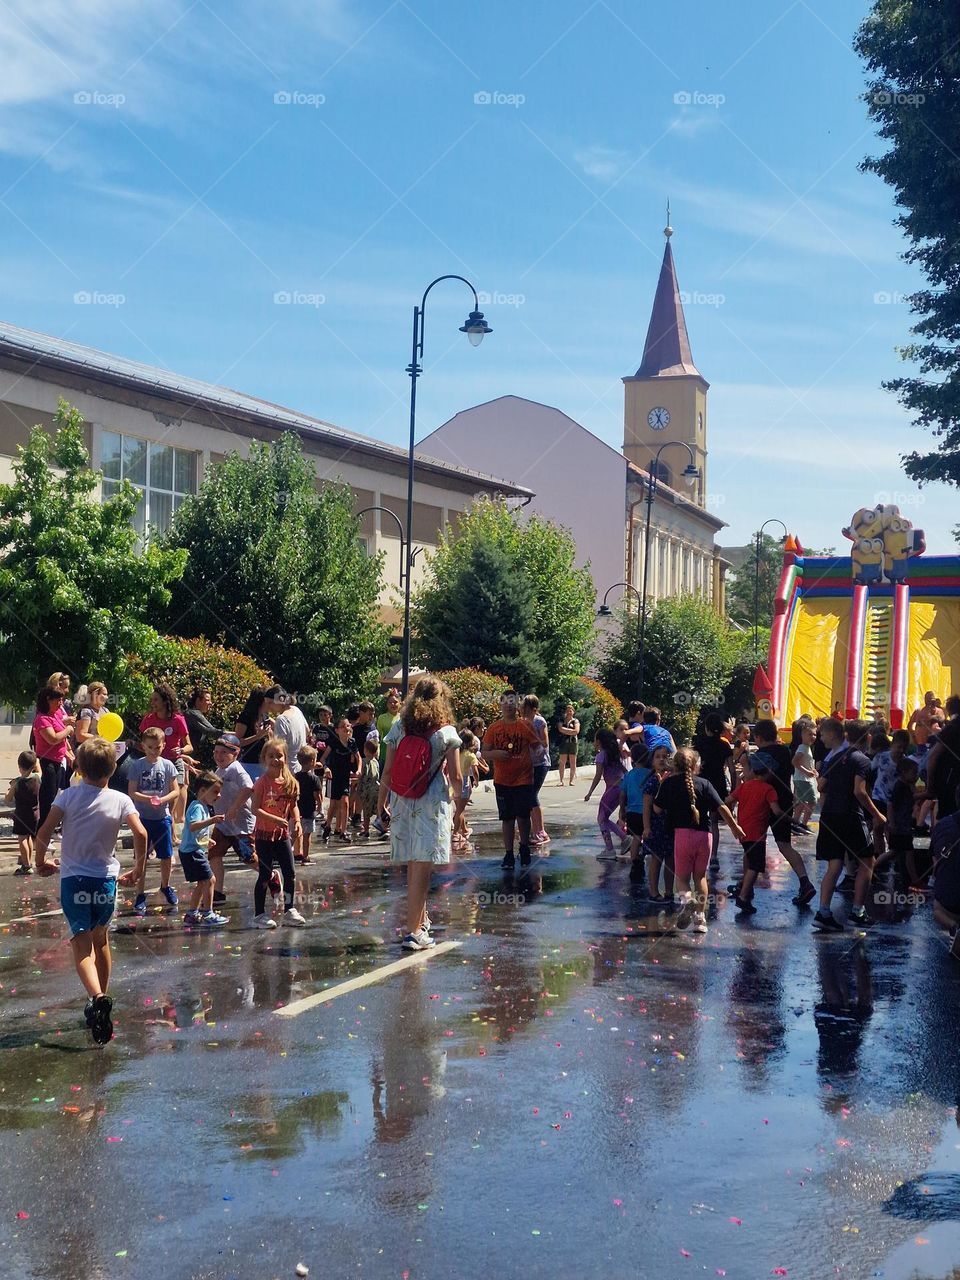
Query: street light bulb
x,y
691,474
603,611
476,328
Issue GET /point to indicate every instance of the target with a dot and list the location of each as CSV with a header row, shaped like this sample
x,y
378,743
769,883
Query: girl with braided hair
x,y
689,803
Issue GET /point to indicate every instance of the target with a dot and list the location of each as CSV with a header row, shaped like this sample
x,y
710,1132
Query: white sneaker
x,y
292,916
427,923
608,855
419,941
686,912
699,922
263,921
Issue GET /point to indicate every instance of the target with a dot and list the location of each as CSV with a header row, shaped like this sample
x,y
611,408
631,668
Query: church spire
x,y
666,351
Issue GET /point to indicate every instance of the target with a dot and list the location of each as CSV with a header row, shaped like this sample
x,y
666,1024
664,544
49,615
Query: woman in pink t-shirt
x,y
51,733
164,714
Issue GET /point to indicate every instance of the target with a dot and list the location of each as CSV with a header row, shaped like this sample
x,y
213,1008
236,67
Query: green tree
x,y
476,624
546,607
912,51
688,657
742,582
76,589
277,570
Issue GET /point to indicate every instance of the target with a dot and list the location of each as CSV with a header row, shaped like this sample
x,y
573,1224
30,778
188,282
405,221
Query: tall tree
x,y
77,592
276,568
553,628
742,582
912,50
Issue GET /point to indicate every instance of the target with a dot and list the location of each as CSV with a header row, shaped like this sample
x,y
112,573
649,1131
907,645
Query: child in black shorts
x,y
845,809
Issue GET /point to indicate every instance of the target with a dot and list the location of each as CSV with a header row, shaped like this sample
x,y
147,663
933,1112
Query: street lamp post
x,y
605,611
476,328
691,475
756,585
403,542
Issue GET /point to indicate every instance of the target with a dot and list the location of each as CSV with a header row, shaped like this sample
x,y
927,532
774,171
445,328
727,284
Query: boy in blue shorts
x,y
153,787
197,871
92,814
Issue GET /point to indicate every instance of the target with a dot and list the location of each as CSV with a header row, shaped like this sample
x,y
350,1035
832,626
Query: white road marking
x,y
41,915
364,980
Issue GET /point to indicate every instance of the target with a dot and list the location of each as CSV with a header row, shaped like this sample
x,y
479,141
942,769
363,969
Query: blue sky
x,y
144,157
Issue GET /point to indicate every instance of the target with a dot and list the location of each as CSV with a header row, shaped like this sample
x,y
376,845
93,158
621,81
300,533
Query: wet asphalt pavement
x,y
576,1091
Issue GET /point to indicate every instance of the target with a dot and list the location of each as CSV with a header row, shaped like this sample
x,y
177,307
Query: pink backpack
x,y
411,774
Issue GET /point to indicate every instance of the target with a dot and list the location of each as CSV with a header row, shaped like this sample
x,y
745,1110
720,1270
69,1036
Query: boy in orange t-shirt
x,y
506,744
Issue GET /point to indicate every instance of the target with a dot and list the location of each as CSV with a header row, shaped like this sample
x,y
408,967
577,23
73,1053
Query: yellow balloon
x,y
109,726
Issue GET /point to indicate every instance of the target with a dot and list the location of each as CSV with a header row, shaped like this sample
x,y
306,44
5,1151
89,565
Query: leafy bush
x,y
187,665
475,692
595,707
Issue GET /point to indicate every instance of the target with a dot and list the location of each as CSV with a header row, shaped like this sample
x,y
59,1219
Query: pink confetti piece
x,y
685,1253
618,1203
779,1271
114,1139
22,1215
737,1222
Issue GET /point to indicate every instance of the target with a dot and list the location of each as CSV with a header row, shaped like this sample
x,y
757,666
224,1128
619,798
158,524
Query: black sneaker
x,y
734,890
88,1012
101,1024
326,835
860,919
344,838
826,922
745,908
218,897
355,821
508,862
806,895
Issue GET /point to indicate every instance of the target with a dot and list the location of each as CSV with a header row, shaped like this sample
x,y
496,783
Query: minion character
x,y
867,558
901,542
866,523
764,708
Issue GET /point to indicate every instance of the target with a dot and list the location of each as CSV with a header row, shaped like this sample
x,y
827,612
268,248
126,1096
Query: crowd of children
x,y
660,806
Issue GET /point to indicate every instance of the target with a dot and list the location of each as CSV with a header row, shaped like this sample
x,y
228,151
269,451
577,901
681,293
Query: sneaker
x,y
626,844
192,917
263,921
378,826
734,889
524,856
805,896
101,1023
860,919
355,820
212,918
292,916
427,923
88,1012
219,897
508,862
607,854
826,922
669,903
686,913
23,871
276,884
699,922
419,941
325,835
170,894
140,906
343,838
745,908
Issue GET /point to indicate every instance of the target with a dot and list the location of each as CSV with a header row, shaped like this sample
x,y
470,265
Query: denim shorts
x,y
88,902
196,867
159,836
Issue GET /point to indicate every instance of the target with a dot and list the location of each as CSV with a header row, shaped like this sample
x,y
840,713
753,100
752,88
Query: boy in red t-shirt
x,y
756,800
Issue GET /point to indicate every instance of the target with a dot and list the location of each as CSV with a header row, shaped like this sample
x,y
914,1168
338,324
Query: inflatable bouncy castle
x,y
863,634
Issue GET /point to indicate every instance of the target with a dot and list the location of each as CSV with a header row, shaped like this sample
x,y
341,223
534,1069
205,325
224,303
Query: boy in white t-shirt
x,y
92,814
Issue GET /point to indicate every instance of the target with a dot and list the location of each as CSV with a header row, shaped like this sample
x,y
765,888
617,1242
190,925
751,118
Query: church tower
x,y
666,399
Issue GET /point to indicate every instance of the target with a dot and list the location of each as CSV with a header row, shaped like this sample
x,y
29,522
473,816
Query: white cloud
x,y
604,163
691,122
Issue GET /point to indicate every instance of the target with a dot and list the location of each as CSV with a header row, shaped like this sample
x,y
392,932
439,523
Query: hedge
x,y
475,692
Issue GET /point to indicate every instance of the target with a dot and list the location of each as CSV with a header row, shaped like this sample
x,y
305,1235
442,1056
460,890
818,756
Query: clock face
x,y
658,418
